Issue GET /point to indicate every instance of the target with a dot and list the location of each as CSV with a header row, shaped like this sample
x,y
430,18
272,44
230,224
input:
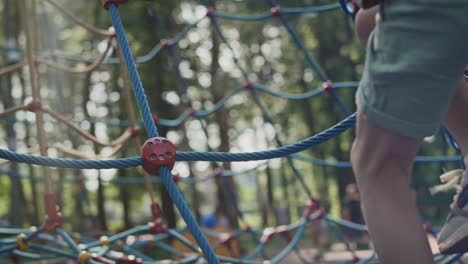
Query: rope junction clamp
x,y
106,3
157,152
327,86
135,132
275,11
129,260
22,245
54,216
157,226
34,106
312,205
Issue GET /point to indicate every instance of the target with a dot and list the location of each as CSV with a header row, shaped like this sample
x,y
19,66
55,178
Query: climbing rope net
x,y
158,155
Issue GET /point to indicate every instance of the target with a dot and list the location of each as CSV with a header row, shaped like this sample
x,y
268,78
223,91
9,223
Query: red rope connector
x,y
226,239
191,111
276,11
106,3
157,226
210,12
130,259
327,86
135,131
176,178
165,43
311,206
268,235
103,260
54,217
248,86
157,152
218,172
156,119
284,232
34,105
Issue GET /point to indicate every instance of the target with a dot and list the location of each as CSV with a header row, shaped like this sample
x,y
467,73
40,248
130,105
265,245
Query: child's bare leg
x,y
383,175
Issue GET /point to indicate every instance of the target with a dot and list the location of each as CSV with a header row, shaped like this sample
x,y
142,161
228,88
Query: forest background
x,y
103,199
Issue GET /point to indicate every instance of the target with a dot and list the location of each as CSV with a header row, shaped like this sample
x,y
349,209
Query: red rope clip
x,y
106,3
129,260
327,86
311,206
157,152
248,86
135,131
165,43
54,217
155,119
275,11
210,11
157,226
34,105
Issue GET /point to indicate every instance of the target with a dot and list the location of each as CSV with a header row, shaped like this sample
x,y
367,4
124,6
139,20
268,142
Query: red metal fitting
x,y
218,172
176,178
226,240
130,259
34,105
248,86
276,11
284,232
54,217
327,86
135,131
165,43
210,11
268,235
157,152
106,3
311,206
191,111
321,213
155,119
103,260
355,259
157,226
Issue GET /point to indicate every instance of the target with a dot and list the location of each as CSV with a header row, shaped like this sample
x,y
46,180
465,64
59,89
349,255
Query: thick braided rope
x,y
186,155
152,132
133,73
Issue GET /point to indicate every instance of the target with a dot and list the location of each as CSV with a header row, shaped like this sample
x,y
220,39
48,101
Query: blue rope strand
x,y
133,73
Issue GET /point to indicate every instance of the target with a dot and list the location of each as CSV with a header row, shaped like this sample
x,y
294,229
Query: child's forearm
x,y
365,23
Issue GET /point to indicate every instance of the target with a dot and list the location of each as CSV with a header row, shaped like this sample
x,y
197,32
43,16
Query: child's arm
x,y
365,23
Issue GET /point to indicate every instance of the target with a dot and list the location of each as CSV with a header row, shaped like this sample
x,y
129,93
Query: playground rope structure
x,y
42,243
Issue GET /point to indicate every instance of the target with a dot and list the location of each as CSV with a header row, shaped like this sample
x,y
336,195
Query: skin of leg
x,y
455,119
382,162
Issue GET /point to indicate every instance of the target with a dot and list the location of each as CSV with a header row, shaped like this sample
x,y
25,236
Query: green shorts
x,y
415,58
